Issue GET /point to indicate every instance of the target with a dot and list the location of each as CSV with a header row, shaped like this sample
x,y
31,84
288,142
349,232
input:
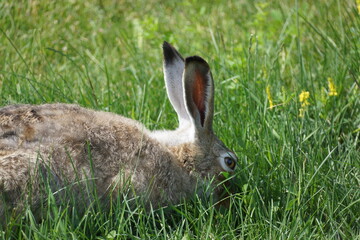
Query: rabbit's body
x,y
102,146
70,145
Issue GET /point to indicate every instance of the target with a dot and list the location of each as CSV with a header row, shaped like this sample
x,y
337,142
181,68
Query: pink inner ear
x,y
199,94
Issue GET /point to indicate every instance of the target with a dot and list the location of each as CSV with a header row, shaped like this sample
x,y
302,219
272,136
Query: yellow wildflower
x,y
332,88
269,97
358,5
301,112
303,98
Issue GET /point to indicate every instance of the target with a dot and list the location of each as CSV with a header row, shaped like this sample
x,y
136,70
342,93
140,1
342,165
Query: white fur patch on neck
x,y
174,137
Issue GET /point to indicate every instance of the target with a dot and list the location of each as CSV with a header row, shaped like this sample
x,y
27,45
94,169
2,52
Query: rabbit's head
x,y
190,88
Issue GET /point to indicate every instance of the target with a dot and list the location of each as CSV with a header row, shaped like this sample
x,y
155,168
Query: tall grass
x,y
298,175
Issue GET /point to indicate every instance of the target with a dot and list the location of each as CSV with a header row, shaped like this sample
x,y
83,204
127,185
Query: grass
x,y
298,177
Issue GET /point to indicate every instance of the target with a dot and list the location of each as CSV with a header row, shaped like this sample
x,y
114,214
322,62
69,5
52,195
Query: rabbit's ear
x,y
199,92
173,71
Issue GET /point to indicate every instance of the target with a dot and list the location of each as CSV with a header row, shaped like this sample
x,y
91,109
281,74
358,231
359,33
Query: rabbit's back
x,y
50,125
29,126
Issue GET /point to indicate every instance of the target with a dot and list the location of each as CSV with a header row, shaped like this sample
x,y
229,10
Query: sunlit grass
x,y
299,161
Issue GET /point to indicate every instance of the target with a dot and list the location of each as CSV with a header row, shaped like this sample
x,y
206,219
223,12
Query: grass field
x,y
287,100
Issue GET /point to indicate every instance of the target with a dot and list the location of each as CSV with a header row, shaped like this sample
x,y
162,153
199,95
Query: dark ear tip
x,y
166,45
170,52
195,59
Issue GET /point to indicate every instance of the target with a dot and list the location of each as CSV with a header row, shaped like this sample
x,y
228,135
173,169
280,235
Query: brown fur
x,y
116,143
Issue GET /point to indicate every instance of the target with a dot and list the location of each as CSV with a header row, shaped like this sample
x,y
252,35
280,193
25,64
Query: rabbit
x,y
69,144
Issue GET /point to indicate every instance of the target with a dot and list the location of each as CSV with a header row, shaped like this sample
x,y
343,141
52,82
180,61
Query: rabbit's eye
x,y
230,162
227,161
